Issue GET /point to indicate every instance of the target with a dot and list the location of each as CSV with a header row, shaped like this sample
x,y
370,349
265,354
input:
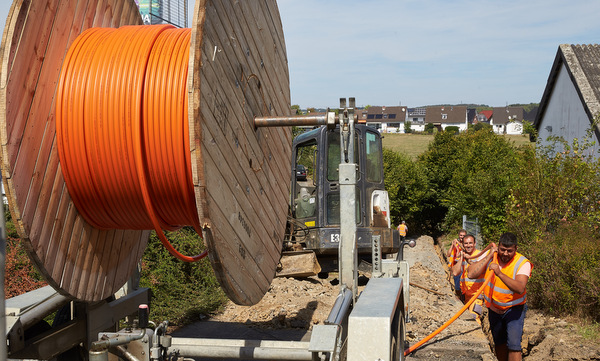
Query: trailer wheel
x,y
398,326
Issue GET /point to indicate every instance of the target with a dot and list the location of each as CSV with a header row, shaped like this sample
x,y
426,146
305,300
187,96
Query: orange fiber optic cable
x,y
122,131
453,318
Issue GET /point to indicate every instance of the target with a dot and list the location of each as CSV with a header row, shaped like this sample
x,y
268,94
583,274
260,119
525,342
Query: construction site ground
x,y
292,306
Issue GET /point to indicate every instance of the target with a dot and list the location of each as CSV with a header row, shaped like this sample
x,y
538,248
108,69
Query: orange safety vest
x,y
497,294
453,255
402,229
469,286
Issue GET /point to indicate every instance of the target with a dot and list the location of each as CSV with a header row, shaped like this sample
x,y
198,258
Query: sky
x,y
425,52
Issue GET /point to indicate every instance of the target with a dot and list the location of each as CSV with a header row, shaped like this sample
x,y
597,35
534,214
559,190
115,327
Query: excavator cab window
x,y
333,190
374,161
306,183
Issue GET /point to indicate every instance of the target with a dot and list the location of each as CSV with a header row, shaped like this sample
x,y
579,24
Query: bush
x,y
470,174
429,127
555,211
566,276
407,186
452,129
181,291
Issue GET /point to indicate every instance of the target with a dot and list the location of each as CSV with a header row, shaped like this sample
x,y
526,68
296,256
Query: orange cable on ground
x,y
122,131
453,318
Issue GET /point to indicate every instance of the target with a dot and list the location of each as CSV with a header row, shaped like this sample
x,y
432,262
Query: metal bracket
x,y
376,255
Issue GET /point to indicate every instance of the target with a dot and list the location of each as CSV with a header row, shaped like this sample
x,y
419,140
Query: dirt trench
x,y
292,306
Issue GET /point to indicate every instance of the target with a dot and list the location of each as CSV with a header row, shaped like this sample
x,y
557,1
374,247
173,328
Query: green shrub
x,y
452,129
408,189
566,276
429,127
181,291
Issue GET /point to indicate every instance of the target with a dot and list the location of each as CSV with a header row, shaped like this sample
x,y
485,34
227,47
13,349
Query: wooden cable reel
x,y
237,70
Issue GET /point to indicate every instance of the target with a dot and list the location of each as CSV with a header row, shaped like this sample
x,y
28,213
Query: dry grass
x,y
415,144
409,144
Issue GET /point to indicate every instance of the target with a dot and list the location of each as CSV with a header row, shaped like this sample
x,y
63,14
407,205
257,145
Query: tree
x,y
296,109
408,189
470,173
407,127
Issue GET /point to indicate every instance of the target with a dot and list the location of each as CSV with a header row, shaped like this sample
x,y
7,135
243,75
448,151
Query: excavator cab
x,y
314,223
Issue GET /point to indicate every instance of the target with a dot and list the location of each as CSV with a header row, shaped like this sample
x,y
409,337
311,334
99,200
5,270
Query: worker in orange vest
x,y
451,255
469,286
505,295
402,228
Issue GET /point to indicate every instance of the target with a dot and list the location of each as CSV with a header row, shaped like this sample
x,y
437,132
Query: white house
x,y
447,115
502,117
514,127
571,100
387,119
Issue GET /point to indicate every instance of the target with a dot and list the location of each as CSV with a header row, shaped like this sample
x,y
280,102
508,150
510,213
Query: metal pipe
x,y
303,120
289,121
116,341
39,311
126,354
340,308
242,349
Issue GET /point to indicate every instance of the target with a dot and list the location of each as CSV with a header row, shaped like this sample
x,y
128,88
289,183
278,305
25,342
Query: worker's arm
x,y
452,246
473,256
457,267
516,284
478,268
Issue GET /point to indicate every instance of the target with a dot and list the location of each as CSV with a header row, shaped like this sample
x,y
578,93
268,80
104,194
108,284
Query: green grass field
x,y
415,144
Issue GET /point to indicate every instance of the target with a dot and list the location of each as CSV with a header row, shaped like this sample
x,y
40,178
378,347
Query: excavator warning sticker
x,y
309,224
335,238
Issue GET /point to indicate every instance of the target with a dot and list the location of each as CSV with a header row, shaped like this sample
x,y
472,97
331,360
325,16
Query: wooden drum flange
x,y
237,70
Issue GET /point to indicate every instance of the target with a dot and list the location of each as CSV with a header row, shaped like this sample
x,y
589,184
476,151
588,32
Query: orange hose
x,y
122,131
453,318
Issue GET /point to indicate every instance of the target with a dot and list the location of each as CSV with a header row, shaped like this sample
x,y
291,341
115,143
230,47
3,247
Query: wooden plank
x,y
129,255
24,72
70,253
229,267
84,264
111,265
95,269
60,246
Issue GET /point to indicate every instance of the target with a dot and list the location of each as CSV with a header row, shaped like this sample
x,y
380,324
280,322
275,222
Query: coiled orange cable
x,y
122,131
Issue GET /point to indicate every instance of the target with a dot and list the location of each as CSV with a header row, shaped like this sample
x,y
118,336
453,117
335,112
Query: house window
x,y
385,116
378,116
444,116
415,119
371,116
392,116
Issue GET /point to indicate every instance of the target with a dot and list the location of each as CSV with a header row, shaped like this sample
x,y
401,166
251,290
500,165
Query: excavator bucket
x,y
298,264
